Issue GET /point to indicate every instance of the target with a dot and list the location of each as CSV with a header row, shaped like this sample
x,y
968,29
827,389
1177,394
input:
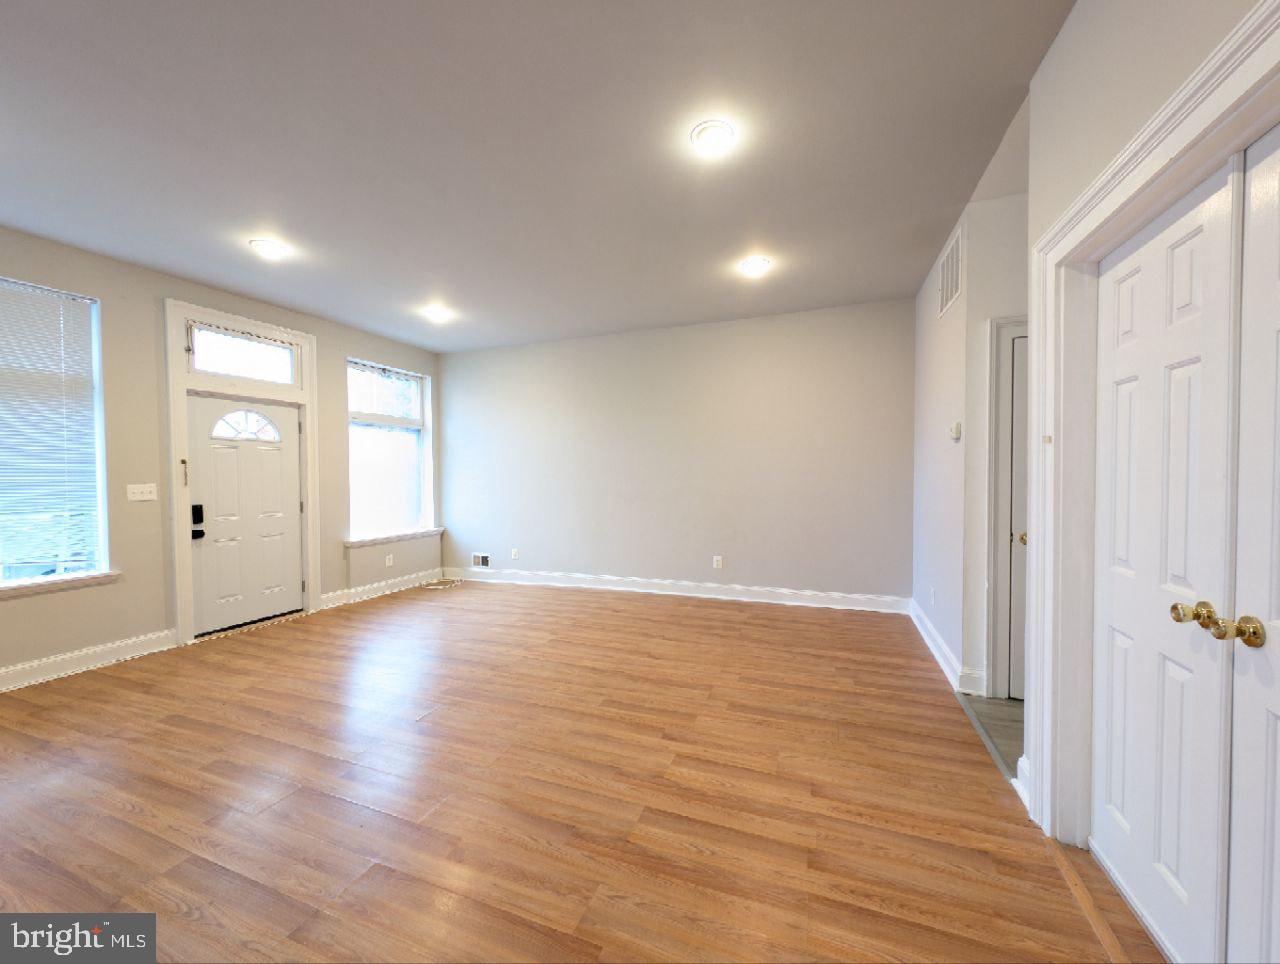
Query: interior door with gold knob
x,y
1253,911
1161,687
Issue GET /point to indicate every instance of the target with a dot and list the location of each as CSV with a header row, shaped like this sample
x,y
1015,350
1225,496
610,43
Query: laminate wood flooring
x,y
517,773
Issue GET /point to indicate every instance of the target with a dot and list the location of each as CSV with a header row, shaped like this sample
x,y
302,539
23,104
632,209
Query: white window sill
x,y
33,587
397,537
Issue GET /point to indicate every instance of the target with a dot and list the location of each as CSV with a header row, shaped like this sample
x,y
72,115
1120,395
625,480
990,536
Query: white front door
x,y
1162,689
246,525
1253,916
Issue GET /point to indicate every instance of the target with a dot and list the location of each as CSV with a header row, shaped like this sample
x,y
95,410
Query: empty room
x,y
639,480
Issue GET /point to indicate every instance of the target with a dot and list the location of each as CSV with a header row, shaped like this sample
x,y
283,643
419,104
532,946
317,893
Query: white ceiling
x,y
524,161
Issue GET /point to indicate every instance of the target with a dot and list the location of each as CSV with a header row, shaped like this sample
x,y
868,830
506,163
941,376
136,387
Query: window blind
x,y
51,515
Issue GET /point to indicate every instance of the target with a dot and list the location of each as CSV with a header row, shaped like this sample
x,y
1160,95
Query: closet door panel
x,y
1254,907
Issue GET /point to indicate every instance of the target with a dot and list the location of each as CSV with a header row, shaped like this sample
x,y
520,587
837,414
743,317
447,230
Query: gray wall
x,y
952,485
781,443
132,315
1112,66
938,523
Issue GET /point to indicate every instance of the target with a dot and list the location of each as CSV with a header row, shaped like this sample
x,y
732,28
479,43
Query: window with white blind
x,y
52,509
389,451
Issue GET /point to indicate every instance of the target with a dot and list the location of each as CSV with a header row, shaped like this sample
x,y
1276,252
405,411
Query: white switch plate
x,y
515,553
391,561
141,492
717,562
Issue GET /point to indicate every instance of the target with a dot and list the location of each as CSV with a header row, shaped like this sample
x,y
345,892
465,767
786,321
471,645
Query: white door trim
x,y
183,382
998,332
1227,103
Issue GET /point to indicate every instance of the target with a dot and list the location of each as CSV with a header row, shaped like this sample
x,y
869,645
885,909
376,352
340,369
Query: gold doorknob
x,y
1201,613
1248,629
1023,538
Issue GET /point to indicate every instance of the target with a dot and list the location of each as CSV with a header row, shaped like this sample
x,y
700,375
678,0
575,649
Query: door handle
x,y
1248,629
1201,613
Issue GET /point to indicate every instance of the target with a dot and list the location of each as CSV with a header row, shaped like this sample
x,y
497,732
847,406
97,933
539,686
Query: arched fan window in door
x,y
245,425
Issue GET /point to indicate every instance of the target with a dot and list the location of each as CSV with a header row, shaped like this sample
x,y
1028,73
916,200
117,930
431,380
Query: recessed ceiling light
x,y
271,249
438,313
713,138
755,266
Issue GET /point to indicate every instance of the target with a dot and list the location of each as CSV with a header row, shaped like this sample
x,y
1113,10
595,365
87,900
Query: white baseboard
x,y
77,661
91,657
937,645
1022,782
973,681
342,597
681,587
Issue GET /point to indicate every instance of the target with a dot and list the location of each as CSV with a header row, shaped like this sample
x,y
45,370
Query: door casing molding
x,y
1231,100
999,330
183,382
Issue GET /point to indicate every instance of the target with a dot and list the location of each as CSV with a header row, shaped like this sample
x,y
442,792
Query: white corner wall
x,y
1111,67
938,488
997,279
951,522
782,444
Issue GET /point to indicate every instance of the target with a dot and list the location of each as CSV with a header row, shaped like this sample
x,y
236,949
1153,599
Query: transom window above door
x,y
246,426
217,351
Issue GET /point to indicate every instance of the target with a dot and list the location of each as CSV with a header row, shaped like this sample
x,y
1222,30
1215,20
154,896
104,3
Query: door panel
x,y
1018,516
1163,509
249,564
1253,918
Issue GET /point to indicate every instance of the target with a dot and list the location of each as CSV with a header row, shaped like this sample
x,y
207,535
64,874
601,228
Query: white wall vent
x,y
949,275
480,560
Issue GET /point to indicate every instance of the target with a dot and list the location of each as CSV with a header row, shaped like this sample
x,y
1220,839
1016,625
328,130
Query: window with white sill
x,y
389,451
52,504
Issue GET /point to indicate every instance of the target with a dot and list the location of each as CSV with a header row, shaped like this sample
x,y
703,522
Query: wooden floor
x,y
499,772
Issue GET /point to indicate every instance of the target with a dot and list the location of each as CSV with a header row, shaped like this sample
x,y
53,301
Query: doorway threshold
x,y
999,725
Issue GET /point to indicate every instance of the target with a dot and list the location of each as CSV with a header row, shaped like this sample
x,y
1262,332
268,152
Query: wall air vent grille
x,y
480,560
949,275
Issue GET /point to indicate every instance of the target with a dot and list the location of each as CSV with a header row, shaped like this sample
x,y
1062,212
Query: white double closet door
x,y
1186,772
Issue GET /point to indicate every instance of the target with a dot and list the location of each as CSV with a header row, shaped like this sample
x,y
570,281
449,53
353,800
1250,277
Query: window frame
x,y
195,379
182,382
422,424
103,572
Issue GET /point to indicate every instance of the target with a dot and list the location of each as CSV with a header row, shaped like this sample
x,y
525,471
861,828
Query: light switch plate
x,y
141,492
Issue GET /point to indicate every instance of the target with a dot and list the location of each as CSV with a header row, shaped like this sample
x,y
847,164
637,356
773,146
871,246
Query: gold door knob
x,y
1248,629
1023,538
1201,613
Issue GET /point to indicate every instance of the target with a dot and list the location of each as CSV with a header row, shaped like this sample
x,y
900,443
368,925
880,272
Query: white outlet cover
x,y
391,560
141,492
515,553
717,562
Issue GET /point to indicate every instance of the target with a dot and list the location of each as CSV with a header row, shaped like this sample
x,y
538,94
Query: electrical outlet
x,y
390,561
717,562
515,553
